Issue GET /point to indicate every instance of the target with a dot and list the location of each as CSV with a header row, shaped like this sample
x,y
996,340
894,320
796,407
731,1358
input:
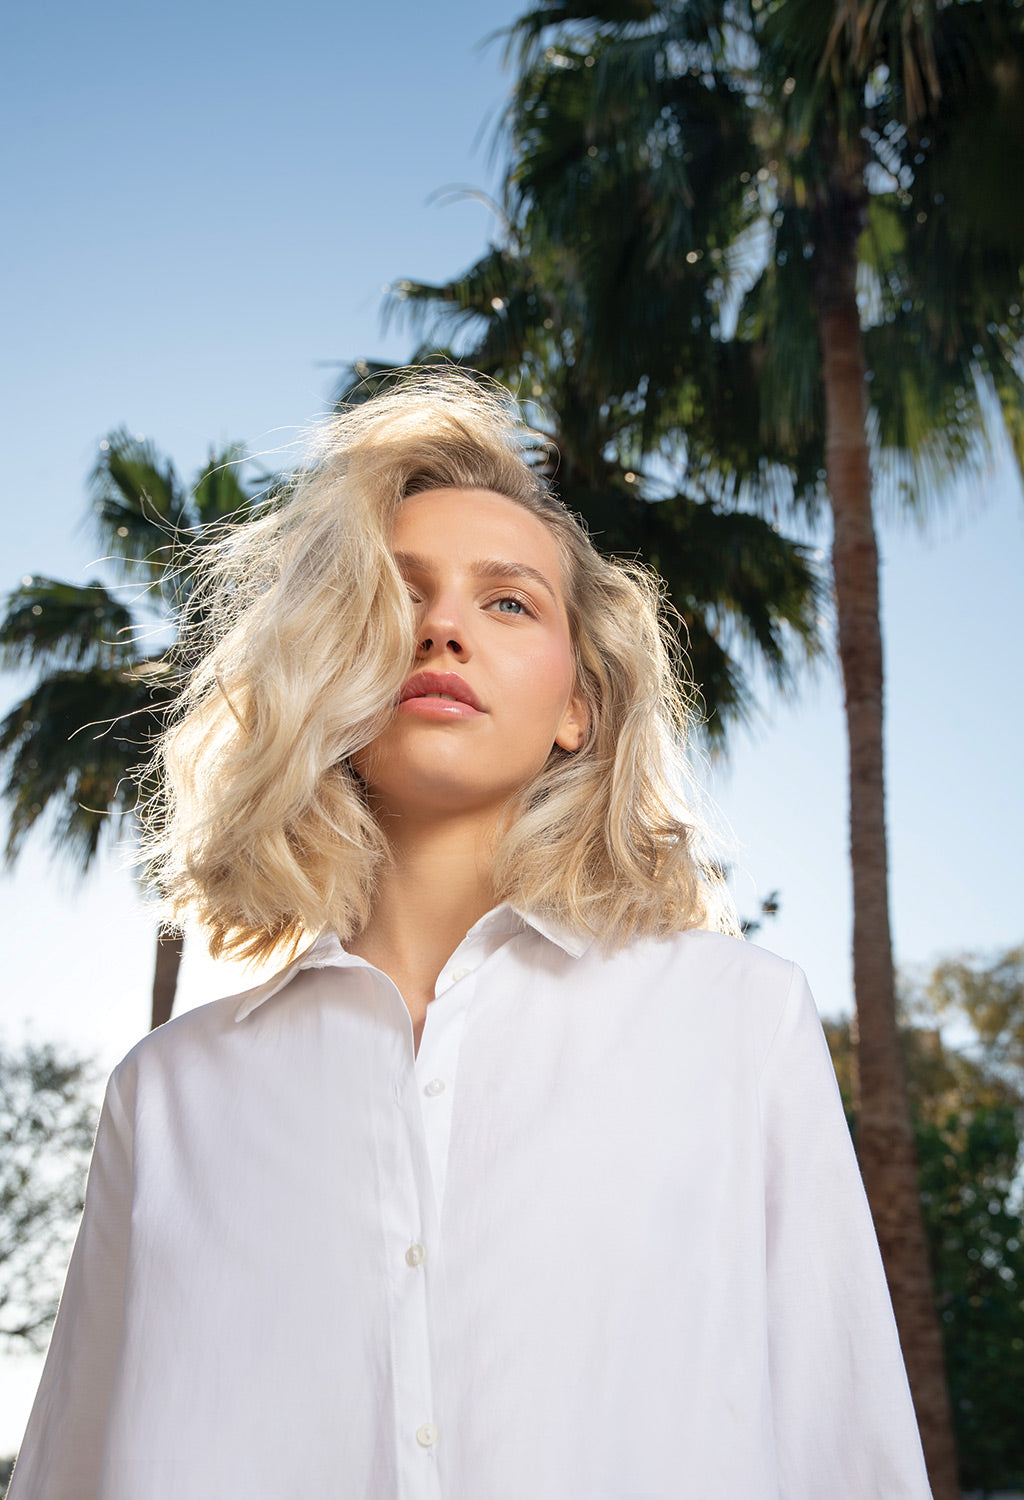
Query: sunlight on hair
x,y
298,642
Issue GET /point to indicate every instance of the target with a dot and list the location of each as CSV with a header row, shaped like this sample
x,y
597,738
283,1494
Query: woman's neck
x,y
434,888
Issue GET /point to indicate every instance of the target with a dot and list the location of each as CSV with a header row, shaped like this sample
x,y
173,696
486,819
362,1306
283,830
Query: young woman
x,y
521,1182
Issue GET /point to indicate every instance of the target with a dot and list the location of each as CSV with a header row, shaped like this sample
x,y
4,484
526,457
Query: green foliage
x,y
71,746
968,1159
968,1107
47,1120
68,624
969,1126
687,168
989,997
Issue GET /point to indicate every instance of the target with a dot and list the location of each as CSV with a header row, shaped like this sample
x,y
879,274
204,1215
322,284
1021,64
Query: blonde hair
x,y
261,833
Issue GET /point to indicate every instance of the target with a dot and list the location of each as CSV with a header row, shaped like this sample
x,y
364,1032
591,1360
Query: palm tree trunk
x,y
169,947
885,1140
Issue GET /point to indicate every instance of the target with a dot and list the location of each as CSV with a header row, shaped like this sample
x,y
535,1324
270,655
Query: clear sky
x,y
203,203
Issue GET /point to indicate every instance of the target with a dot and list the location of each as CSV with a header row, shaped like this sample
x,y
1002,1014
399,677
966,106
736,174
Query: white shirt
x,y
603,1238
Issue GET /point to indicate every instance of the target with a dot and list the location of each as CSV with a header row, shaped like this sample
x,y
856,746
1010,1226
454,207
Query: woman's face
x,y
493,687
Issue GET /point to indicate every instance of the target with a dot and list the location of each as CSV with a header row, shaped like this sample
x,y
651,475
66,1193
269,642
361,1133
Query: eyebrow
x,y
486,567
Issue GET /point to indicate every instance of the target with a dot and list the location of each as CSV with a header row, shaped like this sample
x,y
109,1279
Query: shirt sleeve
x,y
62,1452
844,1422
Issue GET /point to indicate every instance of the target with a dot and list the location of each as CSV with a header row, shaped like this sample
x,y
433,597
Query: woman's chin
x,y
438,798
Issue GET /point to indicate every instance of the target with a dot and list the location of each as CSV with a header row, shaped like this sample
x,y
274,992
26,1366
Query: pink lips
x,y
439,695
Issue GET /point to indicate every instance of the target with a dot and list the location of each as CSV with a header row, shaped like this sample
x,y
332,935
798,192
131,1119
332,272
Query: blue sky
x,y
204,203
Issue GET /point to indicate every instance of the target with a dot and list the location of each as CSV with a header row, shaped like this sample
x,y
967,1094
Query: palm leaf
x,y
70,744
220,493
138,502
52,623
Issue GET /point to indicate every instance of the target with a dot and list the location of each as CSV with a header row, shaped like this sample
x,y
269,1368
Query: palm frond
x,y
138,501
573,18
50,623
70,745
365,378
219,493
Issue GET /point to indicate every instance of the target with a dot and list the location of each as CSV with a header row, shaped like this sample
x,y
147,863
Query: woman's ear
x,y
573,729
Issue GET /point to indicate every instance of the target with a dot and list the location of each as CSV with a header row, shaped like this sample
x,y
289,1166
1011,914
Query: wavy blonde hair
x,y
261,833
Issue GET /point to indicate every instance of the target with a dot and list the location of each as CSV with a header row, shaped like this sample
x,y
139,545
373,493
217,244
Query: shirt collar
x,y
327,952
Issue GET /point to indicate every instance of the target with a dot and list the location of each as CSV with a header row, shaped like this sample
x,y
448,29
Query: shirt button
x,y
434,1087
415,1255
458,974
426,1435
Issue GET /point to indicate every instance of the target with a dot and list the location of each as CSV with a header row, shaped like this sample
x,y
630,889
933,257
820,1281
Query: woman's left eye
x,y
508,604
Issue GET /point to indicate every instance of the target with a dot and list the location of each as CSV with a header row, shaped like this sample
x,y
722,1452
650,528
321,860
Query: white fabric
x,y
603,1239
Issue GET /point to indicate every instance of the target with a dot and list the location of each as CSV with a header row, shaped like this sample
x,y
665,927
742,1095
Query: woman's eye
x,y
509,605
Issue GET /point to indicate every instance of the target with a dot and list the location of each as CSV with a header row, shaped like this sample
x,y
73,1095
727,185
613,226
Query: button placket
x,y
409,1225
436,1067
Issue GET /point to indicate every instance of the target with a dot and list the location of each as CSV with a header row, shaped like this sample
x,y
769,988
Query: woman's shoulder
x,y
709,981
716,957
184,1036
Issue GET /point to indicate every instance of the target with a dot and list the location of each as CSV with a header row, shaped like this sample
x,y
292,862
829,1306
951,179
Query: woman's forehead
x,y
460,522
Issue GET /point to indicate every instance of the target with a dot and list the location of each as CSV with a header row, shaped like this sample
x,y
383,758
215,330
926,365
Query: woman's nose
x,y
426,647
441,630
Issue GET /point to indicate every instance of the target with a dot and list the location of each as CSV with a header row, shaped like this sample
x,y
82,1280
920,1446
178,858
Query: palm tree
x,y
102,650
820,191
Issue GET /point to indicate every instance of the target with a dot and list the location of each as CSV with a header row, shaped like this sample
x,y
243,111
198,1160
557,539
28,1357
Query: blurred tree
x,y
989,997
74,743
968,1108
768,910
968,1159
47,1120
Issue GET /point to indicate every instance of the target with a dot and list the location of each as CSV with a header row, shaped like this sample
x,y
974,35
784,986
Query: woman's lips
x,y
439,695
437,708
